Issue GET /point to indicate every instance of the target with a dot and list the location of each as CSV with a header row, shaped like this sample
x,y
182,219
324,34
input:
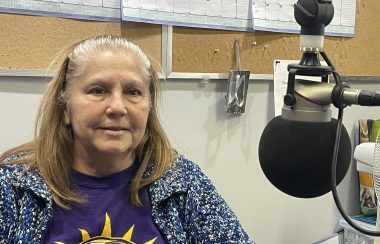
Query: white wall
x,y
224,146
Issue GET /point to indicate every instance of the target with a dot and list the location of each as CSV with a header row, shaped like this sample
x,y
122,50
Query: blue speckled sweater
x,y
185,206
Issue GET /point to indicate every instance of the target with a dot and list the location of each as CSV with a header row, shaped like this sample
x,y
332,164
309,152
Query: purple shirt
x,y
107,214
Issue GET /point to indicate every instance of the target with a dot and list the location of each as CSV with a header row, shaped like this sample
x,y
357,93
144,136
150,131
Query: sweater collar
x,y
175,180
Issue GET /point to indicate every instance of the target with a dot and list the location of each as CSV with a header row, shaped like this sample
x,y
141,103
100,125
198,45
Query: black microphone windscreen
x,y
296,156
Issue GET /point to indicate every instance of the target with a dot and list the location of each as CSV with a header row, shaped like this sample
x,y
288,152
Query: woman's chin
x,y
115,151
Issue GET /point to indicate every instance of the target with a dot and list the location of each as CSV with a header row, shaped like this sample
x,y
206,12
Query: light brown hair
x,y
51,150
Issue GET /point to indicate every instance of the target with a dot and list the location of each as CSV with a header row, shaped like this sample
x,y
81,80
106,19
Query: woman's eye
x,y
134,92
97,91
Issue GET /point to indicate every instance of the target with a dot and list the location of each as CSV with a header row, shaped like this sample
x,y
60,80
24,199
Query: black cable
x,y
335,162
333,181
329,63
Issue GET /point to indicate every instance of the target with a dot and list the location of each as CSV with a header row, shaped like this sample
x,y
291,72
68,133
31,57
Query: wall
x,y
224,146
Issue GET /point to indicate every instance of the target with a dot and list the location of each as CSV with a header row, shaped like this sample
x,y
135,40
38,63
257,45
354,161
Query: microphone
x,y
298,151
296,148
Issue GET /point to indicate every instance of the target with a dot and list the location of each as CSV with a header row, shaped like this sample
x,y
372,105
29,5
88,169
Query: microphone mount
x,y
312,16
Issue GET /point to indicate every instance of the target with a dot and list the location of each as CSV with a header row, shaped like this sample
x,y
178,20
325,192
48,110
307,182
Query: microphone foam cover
x,y
296,156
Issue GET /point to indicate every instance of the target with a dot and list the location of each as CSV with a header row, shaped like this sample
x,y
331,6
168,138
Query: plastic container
x,y
364,161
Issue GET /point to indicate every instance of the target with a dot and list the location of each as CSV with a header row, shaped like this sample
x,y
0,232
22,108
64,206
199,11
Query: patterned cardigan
x,y
185,206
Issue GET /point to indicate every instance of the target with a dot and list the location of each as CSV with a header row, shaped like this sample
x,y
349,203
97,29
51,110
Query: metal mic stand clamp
x,y
312,16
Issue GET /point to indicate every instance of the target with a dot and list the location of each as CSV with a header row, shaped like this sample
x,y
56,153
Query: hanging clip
x,y
237,85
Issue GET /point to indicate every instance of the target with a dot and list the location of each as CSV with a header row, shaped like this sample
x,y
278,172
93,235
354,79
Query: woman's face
x,y
108,106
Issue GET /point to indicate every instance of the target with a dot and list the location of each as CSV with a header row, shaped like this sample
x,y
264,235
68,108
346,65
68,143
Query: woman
x,y
100,168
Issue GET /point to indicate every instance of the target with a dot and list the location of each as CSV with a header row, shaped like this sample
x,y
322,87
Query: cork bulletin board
x,y
201,50
30,42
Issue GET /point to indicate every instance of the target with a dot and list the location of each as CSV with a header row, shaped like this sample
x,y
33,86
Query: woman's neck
x,y
102,165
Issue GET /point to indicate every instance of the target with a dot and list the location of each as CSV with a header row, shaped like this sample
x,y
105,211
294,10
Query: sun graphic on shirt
x,y
106,236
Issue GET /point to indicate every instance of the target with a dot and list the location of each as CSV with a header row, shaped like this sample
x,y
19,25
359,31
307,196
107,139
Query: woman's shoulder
x,y
8,163
184,168
180,177
10,172
182,161
21,176
9,177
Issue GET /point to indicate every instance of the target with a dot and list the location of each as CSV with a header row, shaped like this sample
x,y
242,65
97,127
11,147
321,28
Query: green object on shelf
x,y
375,129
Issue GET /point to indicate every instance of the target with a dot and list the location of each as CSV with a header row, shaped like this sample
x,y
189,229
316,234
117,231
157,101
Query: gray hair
x,y
83,51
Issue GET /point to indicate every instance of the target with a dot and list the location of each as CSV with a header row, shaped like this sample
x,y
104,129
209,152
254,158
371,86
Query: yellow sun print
x,y
106,236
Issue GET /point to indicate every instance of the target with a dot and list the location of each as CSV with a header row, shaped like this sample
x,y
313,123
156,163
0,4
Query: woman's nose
x,y
116,106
